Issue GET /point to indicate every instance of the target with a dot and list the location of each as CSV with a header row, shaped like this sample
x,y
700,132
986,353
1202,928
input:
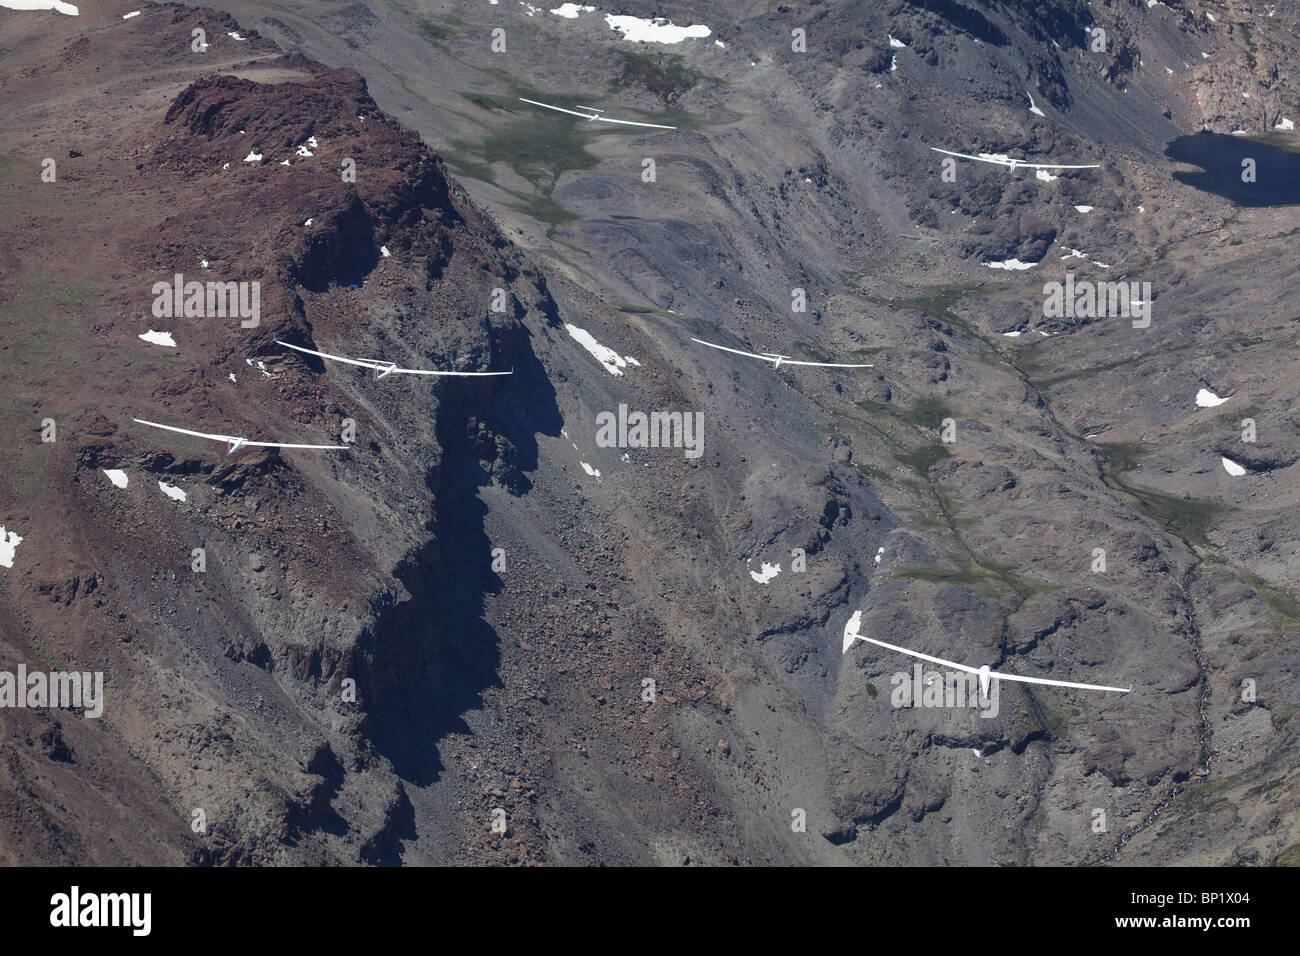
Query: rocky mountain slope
x,y
499,586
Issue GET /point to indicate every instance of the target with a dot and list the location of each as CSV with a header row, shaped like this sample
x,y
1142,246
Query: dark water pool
x,y
1220,157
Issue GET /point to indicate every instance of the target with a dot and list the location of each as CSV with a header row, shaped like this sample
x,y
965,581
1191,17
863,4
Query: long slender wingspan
x,y
765,358
386,367
230,439
606,119
421,371
976,670
786,361
978,159
777,360
1011,163
593,116
337,358
277,444
186,431
558,109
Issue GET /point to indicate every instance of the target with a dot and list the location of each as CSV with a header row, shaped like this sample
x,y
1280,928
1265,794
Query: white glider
x,y
1011,164
594,115
778,360
233,443
985,675
382,369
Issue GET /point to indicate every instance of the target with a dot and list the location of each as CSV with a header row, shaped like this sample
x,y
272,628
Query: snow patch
x,y
253,157
896,43
658,30
766,573
9,540
1286,125
1032,108
1232,468
118,477
171,491
1014,265
128,16
159,338
1045,176
594,472
1207,399
570,11
1083,208
613,362
65,8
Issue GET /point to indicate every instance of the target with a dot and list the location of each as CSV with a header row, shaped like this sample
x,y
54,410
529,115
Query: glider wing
x,y
997,674
231,439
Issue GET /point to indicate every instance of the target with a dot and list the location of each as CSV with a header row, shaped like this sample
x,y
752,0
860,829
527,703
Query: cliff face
x,y
319,566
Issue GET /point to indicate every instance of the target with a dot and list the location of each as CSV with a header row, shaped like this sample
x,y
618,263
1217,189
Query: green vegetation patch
x,y
1281,601
661,74
445,28
923,412
1188,518
922,459
983,575
1122,456
538,146
1130,362
938,303
1289,857
810,353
